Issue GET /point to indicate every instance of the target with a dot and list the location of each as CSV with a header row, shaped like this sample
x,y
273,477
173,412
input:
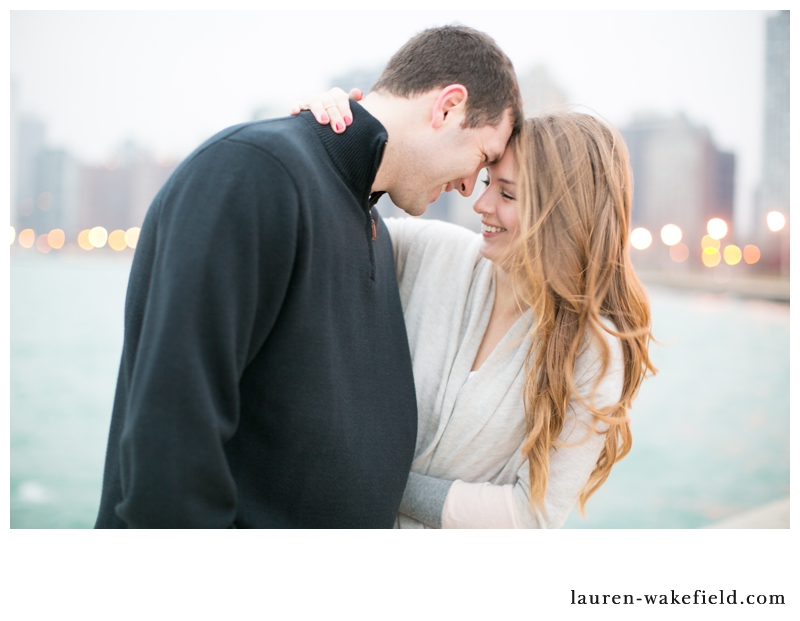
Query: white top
x,y
472,432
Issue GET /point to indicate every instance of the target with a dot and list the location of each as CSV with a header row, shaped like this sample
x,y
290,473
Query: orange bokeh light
x,y
116,240
679,252
56,239
27,237
751,254
732,254
83,240
711,257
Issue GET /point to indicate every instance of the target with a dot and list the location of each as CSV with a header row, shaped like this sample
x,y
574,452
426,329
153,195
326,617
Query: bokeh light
x,y
717,228
13,234
709,242
132,236
83,240
116,240
98,237
711,257
671,234
42,245
641,238
56,239
679,252
732,254
751,254
27,237
775,221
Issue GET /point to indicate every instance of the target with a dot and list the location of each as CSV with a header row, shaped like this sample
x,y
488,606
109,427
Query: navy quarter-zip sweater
x,y
265,378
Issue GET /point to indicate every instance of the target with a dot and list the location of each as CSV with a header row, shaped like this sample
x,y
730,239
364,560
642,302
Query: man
x,y
265,377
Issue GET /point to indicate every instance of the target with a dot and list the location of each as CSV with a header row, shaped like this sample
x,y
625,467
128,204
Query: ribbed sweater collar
x,y
356,153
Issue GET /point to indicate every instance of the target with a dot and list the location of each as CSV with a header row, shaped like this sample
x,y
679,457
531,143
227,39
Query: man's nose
x,y
465,185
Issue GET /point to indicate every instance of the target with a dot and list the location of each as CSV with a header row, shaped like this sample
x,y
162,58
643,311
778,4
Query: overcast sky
x,y
169,80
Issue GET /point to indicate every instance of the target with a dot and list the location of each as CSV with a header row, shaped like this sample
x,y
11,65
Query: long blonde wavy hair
x,y
571,265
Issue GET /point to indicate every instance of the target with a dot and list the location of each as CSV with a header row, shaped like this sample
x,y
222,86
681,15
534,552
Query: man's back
x,y
265,377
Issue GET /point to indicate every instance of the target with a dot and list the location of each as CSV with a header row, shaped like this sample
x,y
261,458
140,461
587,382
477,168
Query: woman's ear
x,y
451,102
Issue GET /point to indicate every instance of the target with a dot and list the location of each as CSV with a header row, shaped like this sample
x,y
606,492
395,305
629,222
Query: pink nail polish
x,y
339,127
324,118
347,120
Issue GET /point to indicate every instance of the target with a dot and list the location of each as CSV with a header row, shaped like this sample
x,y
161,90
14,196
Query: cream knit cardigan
x,y
472,431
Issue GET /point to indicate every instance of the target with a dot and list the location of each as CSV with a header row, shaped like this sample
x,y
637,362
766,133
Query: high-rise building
x,y
29,143
14,139
57,192
680,177
117,194
773,193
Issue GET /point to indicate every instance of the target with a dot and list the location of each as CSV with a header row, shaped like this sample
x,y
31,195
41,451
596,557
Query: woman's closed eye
x,y
503,193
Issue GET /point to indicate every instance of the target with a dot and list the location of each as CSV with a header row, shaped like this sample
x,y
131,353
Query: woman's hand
x,y
332,107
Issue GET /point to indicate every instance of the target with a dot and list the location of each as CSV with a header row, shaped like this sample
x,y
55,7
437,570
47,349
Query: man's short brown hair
x,y
454,54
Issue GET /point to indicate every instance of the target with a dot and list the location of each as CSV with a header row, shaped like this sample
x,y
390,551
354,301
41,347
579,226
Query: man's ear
x,y
451,102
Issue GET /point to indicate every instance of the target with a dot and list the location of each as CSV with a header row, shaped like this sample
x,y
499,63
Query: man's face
x,y
447,160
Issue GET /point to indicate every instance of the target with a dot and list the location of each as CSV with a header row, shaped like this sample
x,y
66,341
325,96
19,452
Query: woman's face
x,y
497,207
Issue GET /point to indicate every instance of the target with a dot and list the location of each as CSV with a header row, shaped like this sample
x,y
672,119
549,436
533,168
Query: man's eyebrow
x,y
494,159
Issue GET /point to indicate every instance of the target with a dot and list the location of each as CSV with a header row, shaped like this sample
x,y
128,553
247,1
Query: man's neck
x,y
380,107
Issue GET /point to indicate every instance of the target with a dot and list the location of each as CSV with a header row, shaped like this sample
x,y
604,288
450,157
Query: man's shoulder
x,y
272,135
282,140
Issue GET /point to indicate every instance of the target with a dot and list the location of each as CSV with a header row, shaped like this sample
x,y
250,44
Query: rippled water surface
x,y
711,430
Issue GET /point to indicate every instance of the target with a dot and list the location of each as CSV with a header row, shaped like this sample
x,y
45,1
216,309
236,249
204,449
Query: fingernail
x,y
339,127
323,118
347,120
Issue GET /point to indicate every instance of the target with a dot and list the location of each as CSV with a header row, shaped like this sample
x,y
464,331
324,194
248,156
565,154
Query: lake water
x,y
710,431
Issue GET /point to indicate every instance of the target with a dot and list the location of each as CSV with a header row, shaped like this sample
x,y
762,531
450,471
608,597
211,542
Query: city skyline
x,y
90,78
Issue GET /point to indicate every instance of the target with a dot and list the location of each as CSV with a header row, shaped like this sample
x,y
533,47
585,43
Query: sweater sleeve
x,y
484,505
424,499
412,237
217,254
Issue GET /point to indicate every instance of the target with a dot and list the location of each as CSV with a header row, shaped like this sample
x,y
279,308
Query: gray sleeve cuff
x,y
424,499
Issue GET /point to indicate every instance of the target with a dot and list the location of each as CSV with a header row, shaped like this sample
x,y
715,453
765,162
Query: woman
x,y
529,342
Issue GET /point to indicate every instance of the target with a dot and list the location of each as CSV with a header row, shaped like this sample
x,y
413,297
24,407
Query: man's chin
x,y
418,212
415,209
